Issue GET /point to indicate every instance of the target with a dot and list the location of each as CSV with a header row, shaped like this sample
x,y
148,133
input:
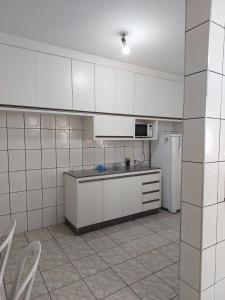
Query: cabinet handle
x,y
150,182
150,201
151,192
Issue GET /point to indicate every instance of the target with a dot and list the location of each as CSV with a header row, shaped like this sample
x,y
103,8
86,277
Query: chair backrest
x,y
22,286
5,247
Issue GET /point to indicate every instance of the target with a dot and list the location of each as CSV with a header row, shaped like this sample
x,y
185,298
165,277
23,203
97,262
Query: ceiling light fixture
x,y
125,47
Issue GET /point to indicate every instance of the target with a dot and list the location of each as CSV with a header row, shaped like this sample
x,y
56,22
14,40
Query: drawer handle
x,y
150,201
151,192
150,182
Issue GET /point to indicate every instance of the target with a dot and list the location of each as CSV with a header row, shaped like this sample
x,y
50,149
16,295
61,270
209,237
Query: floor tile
x,y
122,237
125,294
60,231
152,288
154,261
135,248
90,265
19,241
75,291
51,259
129,224
172,251
60,276
171,221
131,271
40,235
112,229
78,251
92,235
154,241
139,231
115,255
69,241
101,243
43,297
155,226
170,234
170,275
104,283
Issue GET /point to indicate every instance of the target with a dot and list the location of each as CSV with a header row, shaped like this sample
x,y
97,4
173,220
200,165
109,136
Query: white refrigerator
x,y
166,153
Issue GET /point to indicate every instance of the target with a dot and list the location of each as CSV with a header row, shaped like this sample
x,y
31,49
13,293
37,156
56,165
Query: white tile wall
x,y
35,150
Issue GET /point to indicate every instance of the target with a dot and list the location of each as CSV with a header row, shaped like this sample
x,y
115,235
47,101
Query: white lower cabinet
x,y
89,203
132,195
112,205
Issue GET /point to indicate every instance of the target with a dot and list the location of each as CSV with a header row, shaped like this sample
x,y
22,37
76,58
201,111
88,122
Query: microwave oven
x,y
143,130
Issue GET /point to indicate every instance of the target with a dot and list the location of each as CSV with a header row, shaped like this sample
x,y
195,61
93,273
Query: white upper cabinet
x,y
83,86
146,95
105,82
170,99
124,100
17,76
54,84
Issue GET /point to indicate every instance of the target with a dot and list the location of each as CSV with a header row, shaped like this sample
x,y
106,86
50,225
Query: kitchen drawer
x,y
150,187
151,205
151,177
150,197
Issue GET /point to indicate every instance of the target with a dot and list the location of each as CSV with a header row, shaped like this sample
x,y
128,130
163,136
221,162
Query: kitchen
x,y
105,137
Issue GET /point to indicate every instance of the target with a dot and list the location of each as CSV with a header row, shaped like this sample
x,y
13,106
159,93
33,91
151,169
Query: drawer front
x,y
151,205
151,177
150,187
150,197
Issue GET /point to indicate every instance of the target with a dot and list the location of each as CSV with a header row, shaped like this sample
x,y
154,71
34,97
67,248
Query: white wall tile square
x,y
4,204
32,138
33,159
34,180
32,120
48,138
75,138
4,221
18,202
15,120
129,152
60,214
214,93
75,157
191,226
212,140
17,181
59,175
210,183
2,119
3,161
49,197
63,159
49,178
197,12
16,160
34,219
223,99
208,267
48,121
209,226
197,49
195,95
193,142
60,195
221,222
21,221
3,139
222,141
220,261
218,12
16,138
62,138
99,155
75,122
138,154
87,143
48,158
49,216
220,290
62,122
88,156
110,155
190,260
4,183
34,199
216,48
120,154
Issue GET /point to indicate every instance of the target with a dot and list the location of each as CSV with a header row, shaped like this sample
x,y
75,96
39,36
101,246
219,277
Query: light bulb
x,y
125,49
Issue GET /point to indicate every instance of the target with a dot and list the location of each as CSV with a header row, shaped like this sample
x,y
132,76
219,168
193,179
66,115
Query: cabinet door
x,y
152,96
113,126
170,98
112,199
17,76
132,195
105,79
83,86
89,203
54,84
124,100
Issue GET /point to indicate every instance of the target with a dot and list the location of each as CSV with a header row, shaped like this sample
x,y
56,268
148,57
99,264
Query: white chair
x,y
22,286
6,236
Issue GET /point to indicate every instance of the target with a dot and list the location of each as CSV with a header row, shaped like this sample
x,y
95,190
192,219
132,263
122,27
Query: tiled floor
x,y
134,260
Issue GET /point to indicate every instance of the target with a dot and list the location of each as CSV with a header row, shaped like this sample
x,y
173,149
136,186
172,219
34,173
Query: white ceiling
x,y
155,27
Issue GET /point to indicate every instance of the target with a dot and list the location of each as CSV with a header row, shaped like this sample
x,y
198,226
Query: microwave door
x,y
141,130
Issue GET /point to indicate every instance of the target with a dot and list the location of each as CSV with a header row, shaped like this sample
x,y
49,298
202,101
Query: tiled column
x,y
202,264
